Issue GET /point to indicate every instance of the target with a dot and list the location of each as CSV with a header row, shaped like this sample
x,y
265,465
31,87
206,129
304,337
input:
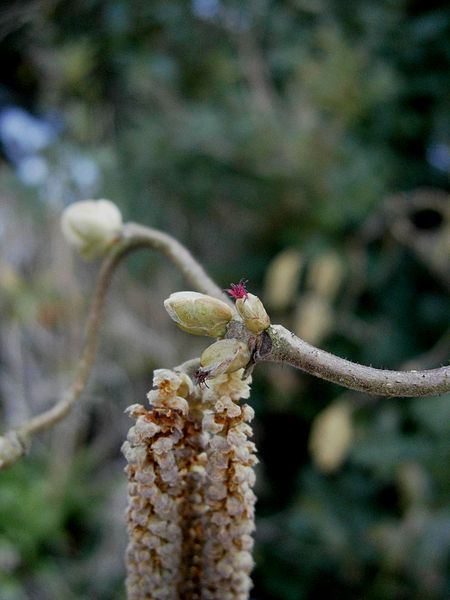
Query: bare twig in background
x,y
14,443
439,353
430,241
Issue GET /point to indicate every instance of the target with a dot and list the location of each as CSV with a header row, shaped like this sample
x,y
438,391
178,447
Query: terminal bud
x,y
91,226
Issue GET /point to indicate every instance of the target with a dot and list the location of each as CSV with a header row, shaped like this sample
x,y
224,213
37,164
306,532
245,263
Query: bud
x,y
253,313
91,226
224,356
199,314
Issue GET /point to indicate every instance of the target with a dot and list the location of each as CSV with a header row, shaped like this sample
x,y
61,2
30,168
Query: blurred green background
x,y
302,144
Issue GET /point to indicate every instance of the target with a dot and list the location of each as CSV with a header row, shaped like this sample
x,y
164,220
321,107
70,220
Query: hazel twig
x,y
288,348
278,344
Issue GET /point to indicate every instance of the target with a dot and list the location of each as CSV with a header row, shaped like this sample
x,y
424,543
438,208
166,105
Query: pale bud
x,y
224,356
253,313
199,314
91,226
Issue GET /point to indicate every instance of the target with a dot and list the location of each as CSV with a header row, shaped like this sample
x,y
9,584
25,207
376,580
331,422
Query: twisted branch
x,y
276,345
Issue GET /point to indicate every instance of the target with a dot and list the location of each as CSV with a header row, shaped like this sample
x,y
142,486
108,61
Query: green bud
x,y
91,226
199,314
224,356
253,313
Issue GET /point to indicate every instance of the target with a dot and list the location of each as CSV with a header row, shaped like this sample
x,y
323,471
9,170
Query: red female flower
x,y
238,290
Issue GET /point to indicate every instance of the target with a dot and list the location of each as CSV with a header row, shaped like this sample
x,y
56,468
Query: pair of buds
x,y
200,314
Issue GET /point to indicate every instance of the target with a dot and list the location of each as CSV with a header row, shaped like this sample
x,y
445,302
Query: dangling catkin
x,y
190,478
161,456
230,476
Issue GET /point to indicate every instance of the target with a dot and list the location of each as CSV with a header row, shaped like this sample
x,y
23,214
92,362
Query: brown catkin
x,y
190,500
230,476
193,508
160,460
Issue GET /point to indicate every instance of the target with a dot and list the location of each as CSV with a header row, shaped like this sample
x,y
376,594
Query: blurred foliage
x,y
303,144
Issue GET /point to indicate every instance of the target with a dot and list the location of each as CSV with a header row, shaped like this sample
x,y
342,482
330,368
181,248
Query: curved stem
x,y
60,410
14,443
289,349
178,254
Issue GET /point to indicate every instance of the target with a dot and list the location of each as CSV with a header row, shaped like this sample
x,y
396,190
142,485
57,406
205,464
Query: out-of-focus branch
x,y
430,245
439,353
15,443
